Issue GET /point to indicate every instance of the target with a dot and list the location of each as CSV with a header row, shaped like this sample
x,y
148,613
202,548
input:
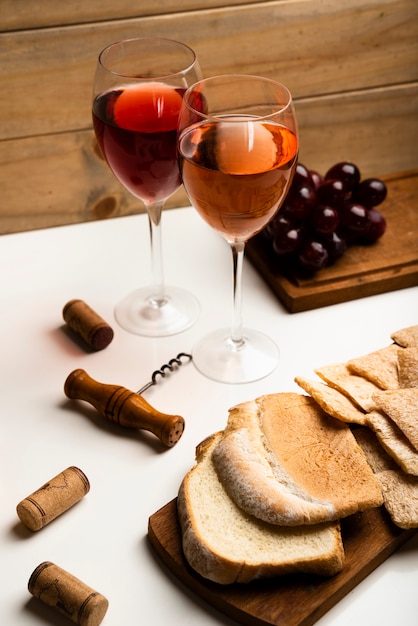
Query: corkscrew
x,y
170,366
128,408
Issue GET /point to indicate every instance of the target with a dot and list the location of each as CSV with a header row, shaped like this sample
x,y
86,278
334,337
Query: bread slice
x,y
380,367
225,545
377,457
332,401
357,388
283,460
406,337
400,493
401,405
408,367
400,490
396,444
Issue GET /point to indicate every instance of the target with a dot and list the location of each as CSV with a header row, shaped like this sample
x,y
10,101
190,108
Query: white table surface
x,y
103,539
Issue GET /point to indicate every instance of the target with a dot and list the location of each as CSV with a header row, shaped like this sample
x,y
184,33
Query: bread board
x,y
297,600
389,264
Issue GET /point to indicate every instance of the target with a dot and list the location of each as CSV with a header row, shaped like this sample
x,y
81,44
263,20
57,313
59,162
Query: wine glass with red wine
x,y
138,92
238,148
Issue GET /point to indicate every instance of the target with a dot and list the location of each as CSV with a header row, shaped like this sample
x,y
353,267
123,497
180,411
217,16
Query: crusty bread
x,y
401,405
357,388
283,460
380,367
406,337
377,457
396,444
332,401
408,367
400,490
225,545
400,493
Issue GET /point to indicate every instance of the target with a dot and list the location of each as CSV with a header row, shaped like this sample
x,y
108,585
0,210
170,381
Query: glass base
x,y
218,357
141,314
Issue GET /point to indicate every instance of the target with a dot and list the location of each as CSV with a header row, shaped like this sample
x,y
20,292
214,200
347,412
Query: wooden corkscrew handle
x,y
124,407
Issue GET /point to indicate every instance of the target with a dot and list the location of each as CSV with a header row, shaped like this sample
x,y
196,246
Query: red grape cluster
x,y
323,215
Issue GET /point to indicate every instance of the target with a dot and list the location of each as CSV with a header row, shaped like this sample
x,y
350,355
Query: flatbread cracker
x,y
332,401
380,367
401,405
400,496
394,441
408,367
357,388
406,337
377,457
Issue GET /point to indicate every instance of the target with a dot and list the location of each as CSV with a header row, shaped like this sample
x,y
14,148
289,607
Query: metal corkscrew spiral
x,y
170,366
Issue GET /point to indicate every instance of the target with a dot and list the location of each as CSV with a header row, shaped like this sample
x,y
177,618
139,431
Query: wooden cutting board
x,y
297,600
390,264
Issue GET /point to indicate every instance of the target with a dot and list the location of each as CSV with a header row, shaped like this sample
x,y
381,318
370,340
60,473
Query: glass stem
x,y
154,218
236,329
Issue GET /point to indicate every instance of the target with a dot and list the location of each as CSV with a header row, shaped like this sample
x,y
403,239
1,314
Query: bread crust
x,y
284,461
400,492
225,545
394,442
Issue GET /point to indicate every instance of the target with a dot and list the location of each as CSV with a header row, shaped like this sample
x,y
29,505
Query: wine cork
x,y
53,498
88,324
69,595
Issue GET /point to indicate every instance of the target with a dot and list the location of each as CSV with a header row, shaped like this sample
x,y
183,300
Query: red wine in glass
x,y
137,97
136,127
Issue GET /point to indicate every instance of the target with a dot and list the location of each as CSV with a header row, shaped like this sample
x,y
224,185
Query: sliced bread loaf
x,y
283,460
224,544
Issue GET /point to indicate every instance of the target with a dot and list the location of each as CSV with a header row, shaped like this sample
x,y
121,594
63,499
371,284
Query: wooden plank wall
x,y
352,68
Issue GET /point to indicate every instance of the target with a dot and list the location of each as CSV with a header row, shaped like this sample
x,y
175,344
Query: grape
x,y
346,172
354,218
371,192
324,219
273,226
377,227
302,177
323,215
300,202
313,255
335,246
317,178
332,192
287,239
276,225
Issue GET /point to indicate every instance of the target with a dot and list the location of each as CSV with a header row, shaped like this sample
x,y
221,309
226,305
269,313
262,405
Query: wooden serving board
x,y
389,264
297,600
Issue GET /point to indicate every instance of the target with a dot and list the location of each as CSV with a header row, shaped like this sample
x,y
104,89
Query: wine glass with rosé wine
x,y
238,148
137,96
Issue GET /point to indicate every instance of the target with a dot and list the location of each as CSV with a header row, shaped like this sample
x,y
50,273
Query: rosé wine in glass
x,y
238,149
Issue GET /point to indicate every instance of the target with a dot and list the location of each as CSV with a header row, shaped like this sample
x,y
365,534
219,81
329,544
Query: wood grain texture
x,y
313,48
369,538
65,181
375,128
353,71
390,264
15,15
